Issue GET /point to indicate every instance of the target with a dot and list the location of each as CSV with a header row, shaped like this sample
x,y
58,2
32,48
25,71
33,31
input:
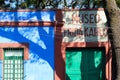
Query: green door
x,y
85,64
13,64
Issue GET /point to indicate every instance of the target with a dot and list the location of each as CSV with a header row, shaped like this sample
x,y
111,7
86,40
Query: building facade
x,y
54,45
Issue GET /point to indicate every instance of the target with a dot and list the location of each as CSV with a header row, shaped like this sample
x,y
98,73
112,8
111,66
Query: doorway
x,y
85,64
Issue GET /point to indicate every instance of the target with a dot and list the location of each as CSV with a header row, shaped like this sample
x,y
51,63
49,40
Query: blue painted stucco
x,y
27,16
40,65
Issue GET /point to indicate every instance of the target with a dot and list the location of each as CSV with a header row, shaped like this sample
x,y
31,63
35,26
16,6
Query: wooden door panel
x,y
85,64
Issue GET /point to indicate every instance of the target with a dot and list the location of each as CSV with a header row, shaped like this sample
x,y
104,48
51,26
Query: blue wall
x,y
27,16
40,66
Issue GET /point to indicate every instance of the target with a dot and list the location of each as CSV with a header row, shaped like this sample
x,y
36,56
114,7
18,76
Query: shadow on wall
x,y
40,39
32,35
91,32
78,60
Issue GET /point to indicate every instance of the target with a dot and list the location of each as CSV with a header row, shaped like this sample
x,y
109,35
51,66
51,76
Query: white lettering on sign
x,y
84,26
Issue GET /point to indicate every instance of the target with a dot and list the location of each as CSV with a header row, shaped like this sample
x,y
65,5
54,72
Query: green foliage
x,y
45,4
118,3
92,4
35,4
1,4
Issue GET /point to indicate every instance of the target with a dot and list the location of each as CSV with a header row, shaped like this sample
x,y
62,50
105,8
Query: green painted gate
x,y
13,64
85,64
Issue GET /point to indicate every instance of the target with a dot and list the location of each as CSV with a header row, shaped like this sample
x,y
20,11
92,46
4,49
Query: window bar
x,y
13,64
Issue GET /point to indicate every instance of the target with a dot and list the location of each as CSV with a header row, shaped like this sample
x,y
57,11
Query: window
x,y
13,64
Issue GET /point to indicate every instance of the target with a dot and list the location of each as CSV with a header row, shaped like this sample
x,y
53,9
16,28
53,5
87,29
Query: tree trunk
x,y
114,16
